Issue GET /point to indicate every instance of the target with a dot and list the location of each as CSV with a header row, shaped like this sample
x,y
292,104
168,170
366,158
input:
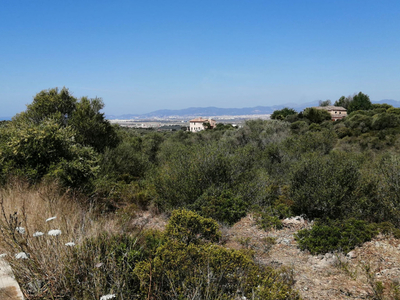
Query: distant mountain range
x,y
216,111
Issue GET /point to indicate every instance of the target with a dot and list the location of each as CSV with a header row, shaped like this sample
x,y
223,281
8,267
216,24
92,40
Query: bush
x,y
299,127
316,115
207,271
312,141
283,113
267,221
222,206
314,127
124,161
104,265
387,228
188,227
342,131
324,186
359,122
186,266
393,110
385,120
335,235
47,149
110,194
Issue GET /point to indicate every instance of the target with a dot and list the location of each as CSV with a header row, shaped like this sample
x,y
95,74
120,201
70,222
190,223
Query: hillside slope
x,y
322,277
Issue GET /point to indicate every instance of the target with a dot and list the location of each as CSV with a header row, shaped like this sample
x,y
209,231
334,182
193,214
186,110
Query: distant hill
x,y
392,102
212,111
217,111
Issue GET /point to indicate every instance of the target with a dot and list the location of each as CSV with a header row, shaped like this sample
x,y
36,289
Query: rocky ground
x,y
330,276
355,275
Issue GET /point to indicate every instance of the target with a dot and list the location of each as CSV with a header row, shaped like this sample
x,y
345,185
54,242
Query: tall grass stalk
x,y
42,275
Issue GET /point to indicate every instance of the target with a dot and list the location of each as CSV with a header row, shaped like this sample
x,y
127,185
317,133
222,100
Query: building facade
x,y
337,112
198,124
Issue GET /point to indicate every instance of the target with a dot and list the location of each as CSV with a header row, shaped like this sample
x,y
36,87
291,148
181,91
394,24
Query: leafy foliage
x,y
283,113
267,221
343,101
335,235
324,186
188,227
359,102
209,271
104,264
222,206
46,149
57,137
315,115
183,268
90,125
51,103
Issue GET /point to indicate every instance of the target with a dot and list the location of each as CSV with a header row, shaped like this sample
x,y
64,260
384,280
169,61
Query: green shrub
x,y
387,228
188,227
221,206
342,131
267,221
393,110
311,141
104,265
323,187
361,122
314,127
385,120
282,210
299,127
123,162
207,271
47,149
110,194
335,235
316,115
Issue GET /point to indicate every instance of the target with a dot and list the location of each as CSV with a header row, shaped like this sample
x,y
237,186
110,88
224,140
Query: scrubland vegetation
x,y
62,158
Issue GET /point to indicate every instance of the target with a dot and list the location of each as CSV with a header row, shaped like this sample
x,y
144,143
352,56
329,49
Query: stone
x,y
351,255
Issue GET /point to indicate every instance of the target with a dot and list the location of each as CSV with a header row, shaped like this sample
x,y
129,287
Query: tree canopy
x,y
58,136
343,101
281,114
325,103
360,102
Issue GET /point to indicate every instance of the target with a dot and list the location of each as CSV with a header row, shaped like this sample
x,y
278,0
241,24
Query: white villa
x,y
197,124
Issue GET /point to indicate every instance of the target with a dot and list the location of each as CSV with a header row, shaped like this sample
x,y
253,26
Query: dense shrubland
x,y
346,174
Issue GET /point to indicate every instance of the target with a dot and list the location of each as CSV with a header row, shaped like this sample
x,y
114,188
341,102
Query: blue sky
x,y
140,56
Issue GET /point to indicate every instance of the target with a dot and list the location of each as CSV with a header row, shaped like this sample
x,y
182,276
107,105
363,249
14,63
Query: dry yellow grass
x,y
24,211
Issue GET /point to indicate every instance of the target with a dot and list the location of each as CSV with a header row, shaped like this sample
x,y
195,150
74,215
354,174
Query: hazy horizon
x,y
290,105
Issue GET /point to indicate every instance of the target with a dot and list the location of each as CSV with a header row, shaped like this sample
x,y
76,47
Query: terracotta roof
x,y
331,107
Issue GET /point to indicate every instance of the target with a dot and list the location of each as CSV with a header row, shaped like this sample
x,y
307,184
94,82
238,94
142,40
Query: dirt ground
x,y
330,276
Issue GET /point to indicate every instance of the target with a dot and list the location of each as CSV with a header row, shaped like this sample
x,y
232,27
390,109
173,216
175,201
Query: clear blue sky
x,y
140,56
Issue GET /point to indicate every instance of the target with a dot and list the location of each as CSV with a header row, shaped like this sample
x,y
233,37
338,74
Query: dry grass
x,y
42,275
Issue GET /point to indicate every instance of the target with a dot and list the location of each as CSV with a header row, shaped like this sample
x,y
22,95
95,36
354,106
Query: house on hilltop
x,y
198,124
337,112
